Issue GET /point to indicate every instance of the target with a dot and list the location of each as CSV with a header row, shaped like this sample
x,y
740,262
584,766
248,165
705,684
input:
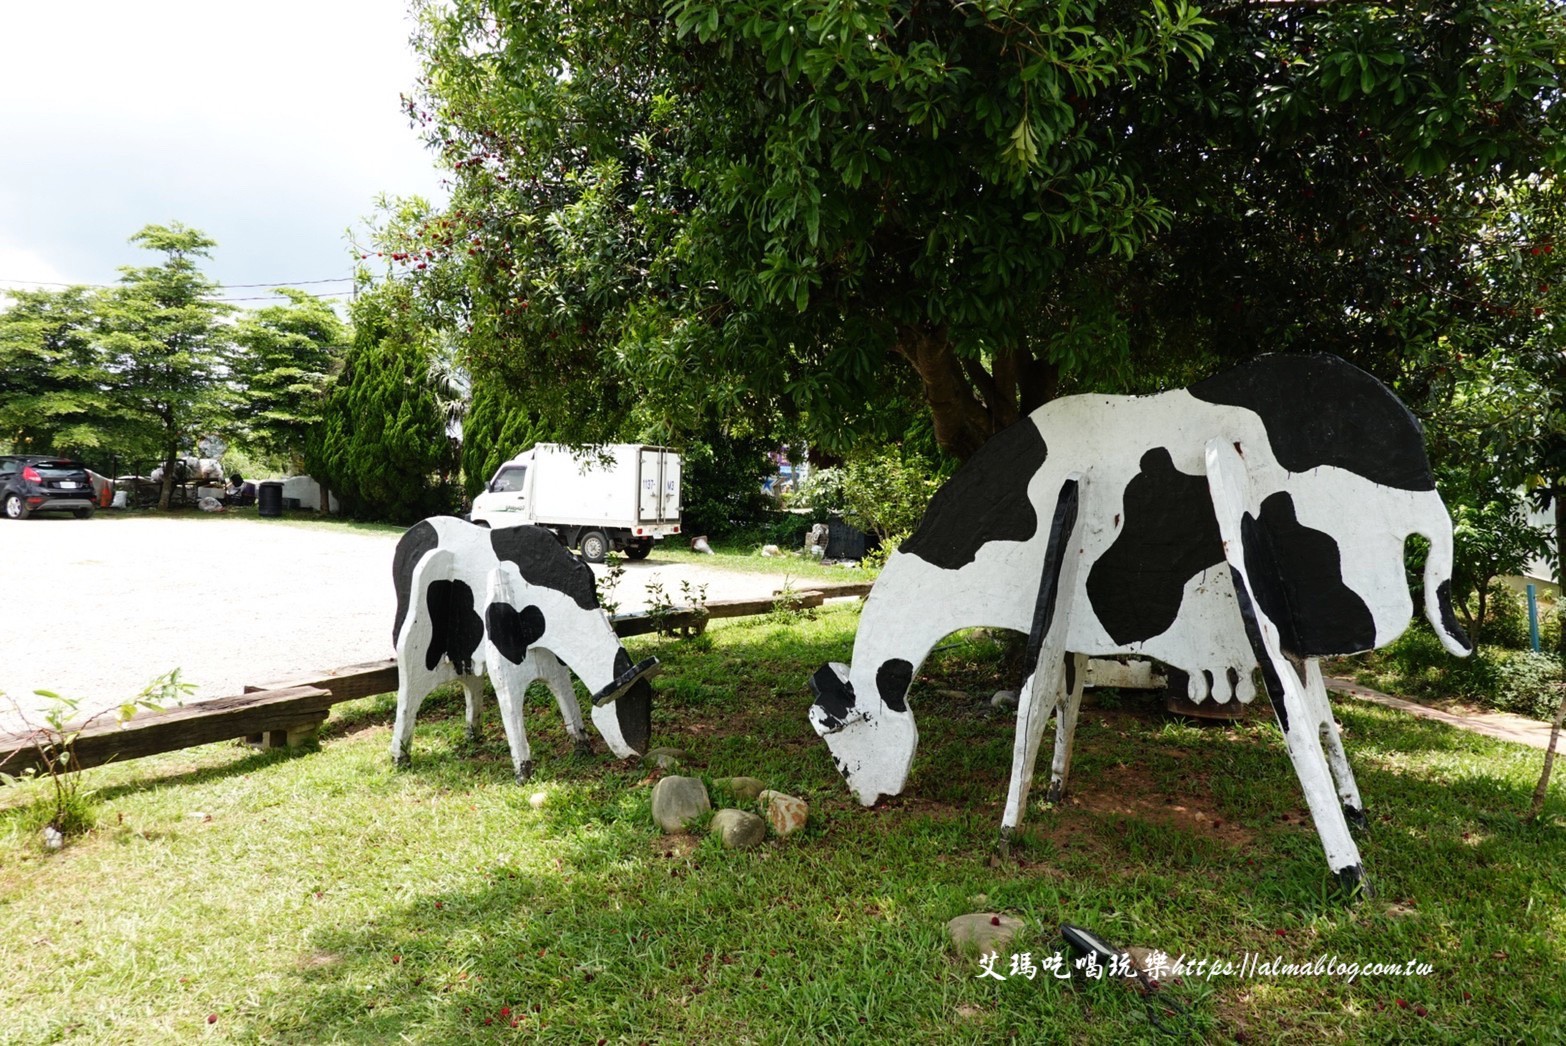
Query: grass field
x,y
325,897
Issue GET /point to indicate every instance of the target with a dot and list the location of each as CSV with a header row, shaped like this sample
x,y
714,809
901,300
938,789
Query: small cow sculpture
x,y
1257,518
539,608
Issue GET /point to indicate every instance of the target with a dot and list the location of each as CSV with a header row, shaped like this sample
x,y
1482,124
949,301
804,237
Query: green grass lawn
x,y
325,897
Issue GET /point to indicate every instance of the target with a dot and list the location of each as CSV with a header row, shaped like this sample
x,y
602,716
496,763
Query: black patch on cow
x,y
1321,410
1296,574
1060,530
455,627
415,541
543,561
622,662
985,500
633,711
512,630
1449,619
1071,674
834,697
1170,536
891,681
1271,681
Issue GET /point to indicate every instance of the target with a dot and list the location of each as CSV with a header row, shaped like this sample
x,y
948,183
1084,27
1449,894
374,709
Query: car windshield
x,y
508,480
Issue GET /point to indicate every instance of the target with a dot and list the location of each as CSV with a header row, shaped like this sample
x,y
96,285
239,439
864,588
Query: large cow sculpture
x,y
1257,518
511,603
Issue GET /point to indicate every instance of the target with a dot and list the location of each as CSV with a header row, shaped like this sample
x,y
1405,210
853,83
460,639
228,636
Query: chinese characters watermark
x,y
1159,966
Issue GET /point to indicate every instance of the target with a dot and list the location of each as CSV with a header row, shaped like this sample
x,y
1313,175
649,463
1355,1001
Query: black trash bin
x,y
269,498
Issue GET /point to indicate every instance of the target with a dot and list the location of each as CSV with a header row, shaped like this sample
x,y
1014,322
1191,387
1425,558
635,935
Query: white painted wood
x,y
1133,675
1045,688
575,640
1299,717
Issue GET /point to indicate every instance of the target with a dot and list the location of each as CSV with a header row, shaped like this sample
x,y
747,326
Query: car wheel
x,y
83,513
15,507
640,550
595,546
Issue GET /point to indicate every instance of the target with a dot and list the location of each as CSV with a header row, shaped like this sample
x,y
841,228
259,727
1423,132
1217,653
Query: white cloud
x,y
272,127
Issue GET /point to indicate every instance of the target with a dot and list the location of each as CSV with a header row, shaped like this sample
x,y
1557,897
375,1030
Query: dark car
x,y
38,484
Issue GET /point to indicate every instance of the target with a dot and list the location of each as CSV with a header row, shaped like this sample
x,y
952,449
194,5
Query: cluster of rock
x,y
679,802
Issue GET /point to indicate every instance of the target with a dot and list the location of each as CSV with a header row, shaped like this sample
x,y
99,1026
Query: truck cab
x,y
620,497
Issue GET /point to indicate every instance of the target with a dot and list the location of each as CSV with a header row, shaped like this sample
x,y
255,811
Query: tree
x,y
384,443
53,396
824,212
496,428
284,361
164,348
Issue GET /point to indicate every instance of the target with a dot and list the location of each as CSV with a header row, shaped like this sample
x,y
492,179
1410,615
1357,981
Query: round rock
x,y
786,813
1004,699
747,788
983,933
677,801
665,758
738,829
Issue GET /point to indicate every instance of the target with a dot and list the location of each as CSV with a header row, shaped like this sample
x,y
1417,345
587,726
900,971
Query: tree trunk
x,y
325,507
962,421
166,496
1537,806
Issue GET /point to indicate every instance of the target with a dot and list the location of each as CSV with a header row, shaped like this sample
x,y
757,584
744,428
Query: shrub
x,y
1505,619
1529,684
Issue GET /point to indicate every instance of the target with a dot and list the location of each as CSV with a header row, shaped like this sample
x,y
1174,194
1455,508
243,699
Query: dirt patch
x,y
1135,798
681,844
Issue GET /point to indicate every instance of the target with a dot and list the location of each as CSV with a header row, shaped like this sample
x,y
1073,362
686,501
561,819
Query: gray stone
x,y
665,758
785,813
677,801
1004,699
738,829
983,933
746,788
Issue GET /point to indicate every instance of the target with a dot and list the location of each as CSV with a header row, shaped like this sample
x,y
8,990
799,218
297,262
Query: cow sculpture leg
x,y
1298,715
416,677
1054,669
1332,742
1066,709
511,687
473,711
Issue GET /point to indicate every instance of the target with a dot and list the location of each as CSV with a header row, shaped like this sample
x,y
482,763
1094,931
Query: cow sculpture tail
x,y
1438,589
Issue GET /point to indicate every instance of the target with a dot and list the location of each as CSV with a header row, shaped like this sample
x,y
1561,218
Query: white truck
x,y
623,496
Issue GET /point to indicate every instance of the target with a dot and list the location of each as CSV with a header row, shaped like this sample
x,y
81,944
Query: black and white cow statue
x,y
1257,518
514,604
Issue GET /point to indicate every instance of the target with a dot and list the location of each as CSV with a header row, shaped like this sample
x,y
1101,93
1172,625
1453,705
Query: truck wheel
x,y
639,550
595,546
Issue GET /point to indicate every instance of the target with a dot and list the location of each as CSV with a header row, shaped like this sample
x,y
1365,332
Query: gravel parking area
x,y
96,609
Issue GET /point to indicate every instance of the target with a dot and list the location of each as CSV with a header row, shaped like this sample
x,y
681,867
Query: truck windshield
x,y
508,480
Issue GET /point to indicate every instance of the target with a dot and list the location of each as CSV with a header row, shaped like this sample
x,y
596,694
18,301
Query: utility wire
x,y
107,286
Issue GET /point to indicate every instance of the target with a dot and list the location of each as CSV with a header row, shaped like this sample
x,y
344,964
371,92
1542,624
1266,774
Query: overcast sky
x,y
269,126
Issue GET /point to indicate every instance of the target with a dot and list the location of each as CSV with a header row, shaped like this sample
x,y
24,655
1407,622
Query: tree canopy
x,y
824,213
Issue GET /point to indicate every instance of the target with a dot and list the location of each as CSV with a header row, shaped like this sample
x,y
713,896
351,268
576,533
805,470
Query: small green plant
x,y
788,608
661,607
66,807
609,582
876,558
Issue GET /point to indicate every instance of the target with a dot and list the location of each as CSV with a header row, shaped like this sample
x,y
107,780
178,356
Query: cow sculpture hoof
x,y
584,747
1354,883
402,761
1055,793
1356,817
525,772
